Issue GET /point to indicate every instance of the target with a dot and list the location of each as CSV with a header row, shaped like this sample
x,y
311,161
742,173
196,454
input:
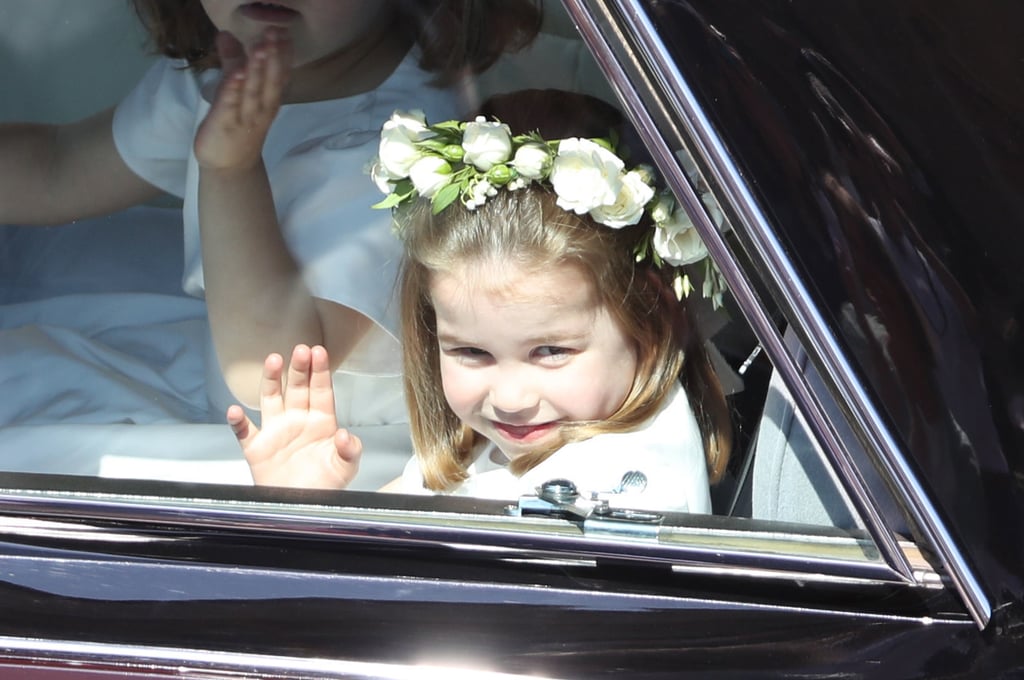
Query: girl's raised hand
x,y
300,444
247,101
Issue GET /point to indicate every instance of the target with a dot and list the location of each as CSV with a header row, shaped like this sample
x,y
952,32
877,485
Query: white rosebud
x,y
381,178
585,175
662,208
429,174
677,242
628,208
532,160
486,144
398,137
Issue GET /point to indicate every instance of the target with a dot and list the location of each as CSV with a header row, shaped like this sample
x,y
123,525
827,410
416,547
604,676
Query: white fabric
x,y
316,156
549,62
667,449
102,360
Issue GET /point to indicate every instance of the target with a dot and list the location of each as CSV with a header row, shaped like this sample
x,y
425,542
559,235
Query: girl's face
x,y
524,351
318,28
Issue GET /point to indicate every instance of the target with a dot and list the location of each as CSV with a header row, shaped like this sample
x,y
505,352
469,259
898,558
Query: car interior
x,y
135,347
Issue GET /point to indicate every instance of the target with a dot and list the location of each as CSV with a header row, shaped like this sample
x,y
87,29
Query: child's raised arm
x,y
258,302
300,444
52,174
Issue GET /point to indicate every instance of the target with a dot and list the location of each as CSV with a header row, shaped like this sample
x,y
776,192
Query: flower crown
x,y
472,161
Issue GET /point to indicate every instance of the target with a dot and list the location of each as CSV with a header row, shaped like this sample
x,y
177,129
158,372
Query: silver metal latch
x,y
561,498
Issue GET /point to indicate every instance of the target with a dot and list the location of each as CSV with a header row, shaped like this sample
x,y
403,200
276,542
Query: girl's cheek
x,y
456,383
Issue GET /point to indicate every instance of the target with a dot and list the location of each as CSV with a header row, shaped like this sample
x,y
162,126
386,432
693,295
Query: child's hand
x,y
300,444
232,134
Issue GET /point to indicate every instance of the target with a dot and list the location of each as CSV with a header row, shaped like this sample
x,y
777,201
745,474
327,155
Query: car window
x,y
115,404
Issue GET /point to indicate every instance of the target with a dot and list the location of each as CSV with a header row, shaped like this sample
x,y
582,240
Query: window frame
x,y
657,98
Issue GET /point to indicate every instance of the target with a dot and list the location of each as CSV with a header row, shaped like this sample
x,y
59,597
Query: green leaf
x,y
449,126
404,188
389,201
445,196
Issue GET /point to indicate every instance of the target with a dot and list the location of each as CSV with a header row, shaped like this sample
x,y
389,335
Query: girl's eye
x,y
467,353
552,351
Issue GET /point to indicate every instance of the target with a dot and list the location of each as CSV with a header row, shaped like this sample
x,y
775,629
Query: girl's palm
x,y
299,444
247,101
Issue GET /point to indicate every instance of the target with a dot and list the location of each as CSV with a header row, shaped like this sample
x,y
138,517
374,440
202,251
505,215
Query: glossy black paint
x,y
884,142
369,594
388,603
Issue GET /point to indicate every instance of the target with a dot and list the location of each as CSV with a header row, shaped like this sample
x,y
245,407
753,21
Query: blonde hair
x,y
527,228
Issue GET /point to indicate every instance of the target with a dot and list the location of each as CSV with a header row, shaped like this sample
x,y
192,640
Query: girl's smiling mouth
x,y
523,433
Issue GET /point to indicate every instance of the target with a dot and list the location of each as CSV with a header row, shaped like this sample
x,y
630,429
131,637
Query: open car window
x,y
113,407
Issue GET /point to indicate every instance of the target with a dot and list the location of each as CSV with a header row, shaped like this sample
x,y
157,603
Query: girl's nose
x,y
511,394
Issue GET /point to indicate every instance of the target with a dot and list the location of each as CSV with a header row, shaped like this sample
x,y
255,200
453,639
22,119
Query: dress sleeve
x,y
155,124
346,249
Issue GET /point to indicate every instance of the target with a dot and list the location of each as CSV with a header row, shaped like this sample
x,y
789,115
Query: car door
x,y
845,539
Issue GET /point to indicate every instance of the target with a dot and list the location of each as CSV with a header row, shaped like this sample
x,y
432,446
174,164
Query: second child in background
x,y
261,117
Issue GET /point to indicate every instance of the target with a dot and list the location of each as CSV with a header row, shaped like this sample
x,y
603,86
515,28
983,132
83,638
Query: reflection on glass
x,y
127,334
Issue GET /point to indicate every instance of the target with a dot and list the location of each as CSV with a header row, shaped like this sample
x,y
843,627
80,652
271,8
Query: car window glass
x,y
112,369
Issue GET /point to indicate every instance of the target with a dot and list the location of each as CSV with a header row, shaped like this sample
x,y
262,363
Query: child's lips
x,y
268,12
523,433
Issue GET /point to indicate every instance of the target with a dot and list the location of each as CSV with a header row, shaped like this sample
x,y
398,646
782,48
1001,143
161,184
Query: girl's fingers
x,y
255,81
297,394
348,446
230,51
229,97
245,430
278,68
271,390
321,386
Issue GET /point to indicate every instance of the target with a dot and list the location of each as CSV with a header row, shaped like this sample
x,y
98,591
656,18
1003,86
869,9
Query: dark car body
x,y
869,157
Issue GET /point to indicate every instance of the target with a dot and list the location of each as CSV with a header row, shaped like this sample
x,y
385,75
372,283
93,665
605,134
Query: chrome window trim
x,y
731,190
697,548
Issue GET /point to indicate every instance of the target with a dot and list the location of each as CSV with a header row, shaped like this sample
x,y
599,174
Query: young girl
x,y
541,335
260,117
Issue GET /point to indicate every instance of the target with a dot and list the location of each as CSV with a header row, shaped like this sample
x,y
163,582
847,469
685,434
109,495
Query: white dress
x,y
667,449
316,155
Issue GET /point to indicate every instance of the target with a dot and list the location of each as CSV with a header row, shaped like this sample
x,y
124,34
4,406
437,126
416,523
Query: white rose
x,y
532,160
398,137
677,242
429,174
628,208
486,144
585,175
